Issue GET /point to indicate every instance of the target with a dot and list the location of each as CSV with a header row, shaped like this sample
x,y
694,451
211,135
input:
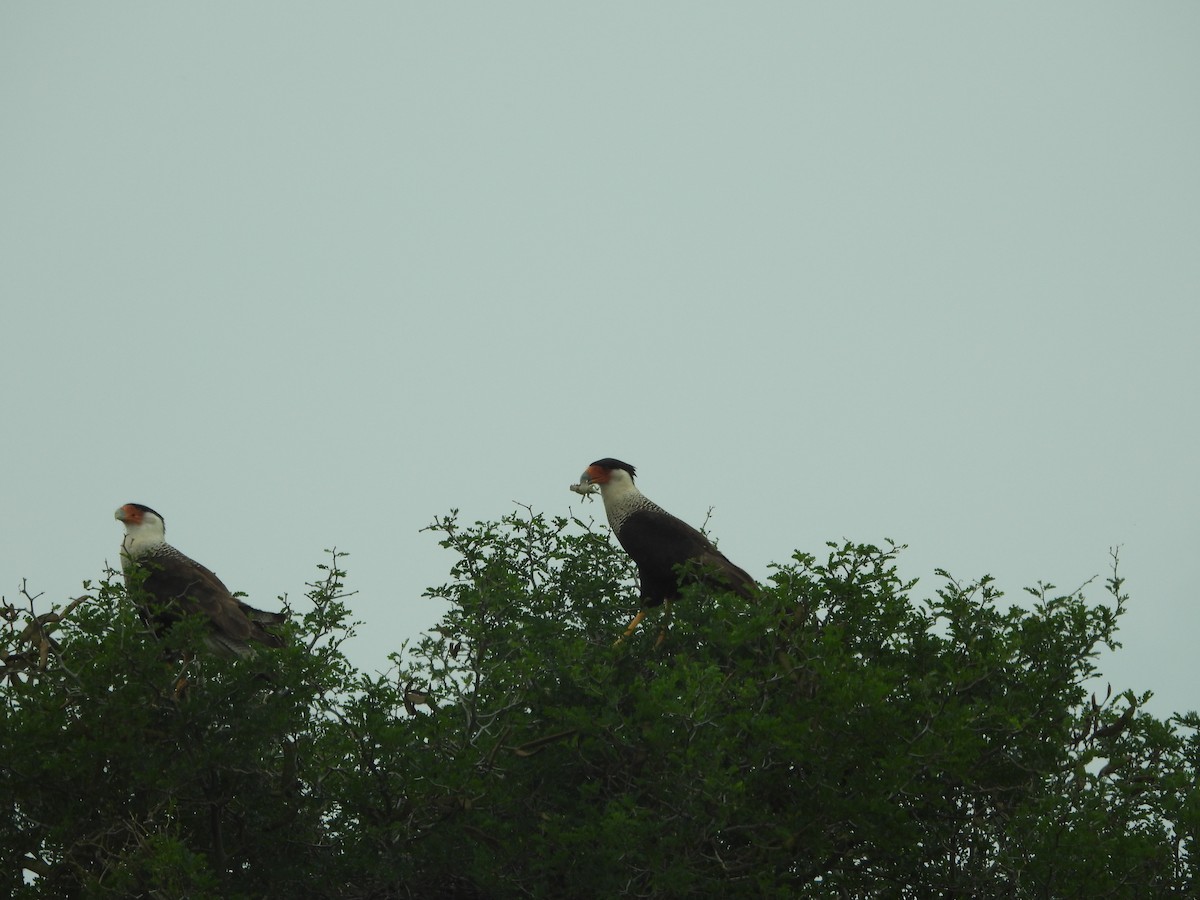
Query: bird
x,y
174,586
658,542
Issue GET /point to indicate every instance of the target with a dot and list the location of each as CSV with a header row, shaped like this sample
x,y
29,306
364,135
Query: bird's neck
x,y
621,500
138,542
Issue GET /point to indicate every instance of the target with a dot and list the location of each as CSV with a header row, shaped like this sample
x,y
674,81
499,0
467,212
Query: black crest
x,y
146,509
609,463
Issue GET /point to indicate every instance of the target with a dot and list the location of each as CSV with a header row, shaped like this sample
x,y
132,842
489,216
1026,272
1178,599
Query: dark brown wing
x,y
730,576
258,619
177,586
658,542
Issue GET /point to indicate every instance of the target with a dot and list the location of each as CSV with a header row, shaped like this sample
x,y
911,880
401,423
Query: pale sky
x,y
307,275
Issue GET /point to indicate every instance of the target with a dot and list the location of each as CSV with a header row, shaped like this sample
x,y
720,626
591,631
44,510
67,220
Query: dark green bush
x,y
837,738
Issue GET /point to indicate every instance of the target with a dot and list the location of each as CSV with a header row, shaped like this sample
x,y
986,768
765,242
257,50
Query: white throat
x,y
621,497
142,537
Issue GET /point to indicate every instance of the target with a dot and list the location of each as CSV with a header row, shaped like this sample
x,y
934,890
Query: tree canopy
x,y
841,736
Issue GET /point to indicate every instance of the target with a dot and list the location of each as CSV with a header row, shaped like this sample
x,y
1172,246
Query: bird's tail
x,y
262,622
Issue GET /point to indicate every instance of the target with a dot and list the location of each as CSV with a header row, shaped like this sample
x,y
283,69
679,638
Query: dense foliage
x,y
838,738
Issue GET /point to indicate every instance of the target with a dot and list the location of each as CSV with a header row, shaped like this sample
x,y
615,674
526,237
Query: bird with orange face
x,y
172,586
658,542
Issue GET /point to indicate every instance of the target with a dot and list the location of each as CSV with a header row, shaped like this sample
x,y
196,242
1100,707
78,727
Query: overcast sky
x,y
307,275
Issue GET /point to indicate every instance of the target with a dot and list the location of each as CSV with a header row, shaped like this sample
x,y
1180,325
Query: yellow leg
x,y
182,683
632,626
666,620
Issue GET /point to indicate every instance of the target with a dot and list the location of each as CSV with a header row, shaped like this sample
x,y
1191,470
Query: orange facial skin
x,y
130,513
596,475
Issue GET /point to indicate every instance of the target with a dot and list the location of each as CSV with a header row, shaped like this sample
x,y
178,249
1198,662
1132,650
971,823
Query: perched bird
x,y
175,586
657,542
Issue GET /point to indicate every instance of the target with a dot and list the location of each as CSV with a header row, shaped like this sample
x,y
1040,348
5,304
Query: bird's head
x,y
143,527
609,474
